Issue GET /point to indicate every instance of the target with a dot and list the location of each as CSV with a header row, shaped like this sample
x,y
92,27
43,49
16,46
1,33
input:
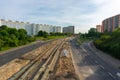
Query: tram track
x,y
40,66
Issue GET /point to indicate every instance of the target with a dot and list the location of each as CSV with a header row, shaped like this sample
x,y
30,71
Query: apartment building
x,y
32,29
98,28
110,24
69,29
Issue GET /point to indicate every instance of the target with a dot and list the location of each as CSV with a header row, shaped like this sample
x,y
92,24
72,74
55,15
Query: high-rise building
x,y
110,24
98,28
69,29
32,29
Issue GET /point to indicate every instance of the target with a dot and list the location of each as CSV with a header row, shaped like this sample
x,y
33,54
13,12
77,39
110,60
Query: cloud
x,y
83,14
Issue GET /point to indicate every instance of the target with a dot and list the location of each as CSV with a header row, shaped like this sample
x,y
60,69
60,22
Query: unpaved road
x,y
90,65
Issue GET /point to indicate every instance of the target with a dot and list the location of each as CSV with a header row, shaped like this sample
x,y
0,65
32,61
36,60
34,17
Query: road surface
x,y
13,54
90,65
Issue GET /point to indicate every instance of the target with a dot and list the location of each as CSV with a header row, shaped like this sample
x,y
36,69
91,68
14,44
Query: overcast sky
x,y
81,13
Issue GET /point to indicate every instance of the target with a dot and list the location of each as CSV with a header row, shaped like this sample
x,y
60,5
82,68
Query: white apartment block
x,y
32,29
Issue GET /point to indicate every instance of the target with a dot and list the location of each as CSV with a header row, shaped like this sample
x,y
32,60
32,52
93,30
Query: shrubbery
x,y
45,34
92,33
110,43
11,37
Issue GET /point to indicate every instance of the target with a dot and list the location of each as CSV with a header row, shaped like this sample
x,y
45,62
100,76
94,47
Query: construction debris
x,y
64,69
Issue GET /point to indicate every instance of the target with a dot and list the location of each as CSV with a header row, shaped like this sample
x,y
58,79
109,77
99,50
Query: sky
x,y
83,14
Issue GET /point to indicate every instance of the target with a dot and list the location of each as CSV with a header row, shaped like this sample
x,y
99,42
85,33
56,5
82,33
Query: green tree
x,y
1,43
31,39
92,32
14,39
40,33
52,33
13,31
110,43
3,27
22,31
22,34
43,34
116,33
105,37
3,33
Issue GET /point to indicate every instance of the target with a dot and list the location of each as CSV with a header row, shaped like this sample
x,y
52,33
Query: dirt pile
x,y
64,69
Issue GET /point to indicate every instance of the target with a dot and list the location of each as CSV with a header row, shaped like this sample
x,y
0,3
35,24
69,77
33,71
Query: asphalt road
x,y
8,56
91,66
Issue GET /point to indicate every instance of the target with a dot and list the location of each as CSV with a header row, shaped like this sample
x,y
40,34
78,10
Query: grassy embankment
x,y
37,38
82,40
49,38
8,48
110,43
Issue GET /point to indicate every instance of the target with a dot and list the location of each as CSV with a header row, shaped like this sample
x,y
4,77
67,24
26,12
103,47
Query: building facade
x,y
98,28
32,29
110,24
69,29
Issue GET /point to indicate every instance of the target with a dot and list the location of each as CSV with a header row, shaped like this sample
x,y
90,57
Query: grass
x,y
82,40
6,48
85,39
49,38
38,38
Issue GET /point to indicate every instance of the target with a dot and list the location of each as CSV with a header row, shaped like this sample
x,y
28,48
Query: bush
x,y
43,34
11,37
110,43
1,43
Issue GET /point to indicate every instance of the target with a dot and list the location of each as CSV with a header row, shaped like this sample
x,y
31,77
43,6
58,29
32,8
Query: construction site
x,y
51,61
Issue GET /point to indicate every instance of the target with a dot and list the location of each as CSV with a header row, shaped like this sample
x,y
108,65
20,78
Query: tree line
x,y
11,37
109,42
92,33
45,34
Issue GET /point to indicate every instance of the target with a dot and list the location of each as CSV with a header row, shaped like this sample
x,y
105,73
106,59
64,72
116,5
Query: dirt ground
x,y
12,67
64,69
7,70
